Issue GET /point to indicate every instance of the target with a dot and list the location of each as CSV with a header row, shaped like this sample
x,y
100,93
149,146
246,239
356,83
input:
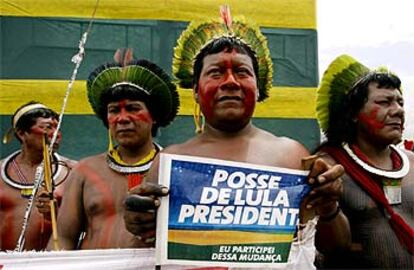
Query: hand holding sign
x,y
326,184
140,209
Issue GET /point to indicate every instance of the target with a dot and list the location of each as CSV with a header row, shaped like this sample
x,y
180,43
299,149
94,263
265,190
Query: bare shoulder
x,y
92,160
282,143
79,168
282,151
177,149
6,158
69,162
185,148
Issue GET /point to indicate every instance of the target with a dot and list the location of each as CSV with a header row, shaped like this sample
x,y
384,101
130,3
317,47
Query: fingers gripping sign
x,y
326,184
140,209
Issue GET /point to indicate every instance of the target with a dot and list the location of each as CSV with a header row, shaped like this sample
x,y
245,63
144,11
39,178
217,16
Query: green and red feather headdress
x,y
142,75
200,33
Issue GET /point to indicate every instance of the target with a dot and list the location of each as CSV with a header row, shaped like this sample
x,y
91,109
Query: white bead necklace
x,y
394,174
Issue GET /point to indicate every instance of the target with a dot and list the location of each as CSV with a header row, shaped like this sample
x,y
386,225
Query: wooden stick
x,y
308,161
49,188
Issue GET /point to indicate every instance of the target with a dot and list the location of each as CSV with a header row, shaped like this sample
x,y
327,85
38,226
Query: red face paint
x,y
46,126
371,120
59,137
206,101
249,103
38,130
125,111
227,75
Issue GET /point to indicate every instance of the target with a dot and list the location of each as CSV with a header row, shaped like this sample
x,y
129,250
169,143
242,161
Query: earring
x,y
110,143
198,118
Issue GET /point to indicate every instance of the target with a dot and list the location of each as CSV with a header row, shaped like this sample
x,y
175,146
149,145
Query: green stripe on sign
x,y
230,253
41,48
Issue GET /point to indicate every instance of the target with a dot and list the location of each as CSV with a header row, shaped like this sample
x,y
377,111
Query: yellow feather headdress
x,y
339,78
336,82
200,33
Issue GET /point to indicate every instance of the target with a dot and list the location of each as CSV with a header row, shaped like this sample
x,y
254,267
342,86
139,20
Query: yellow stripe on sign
x,y
284,102
270,13
225,237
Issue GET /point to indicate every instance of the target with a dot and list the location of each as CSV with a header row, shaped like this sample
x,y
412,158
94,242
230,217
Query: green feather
x,y
199,34
162,91
336,82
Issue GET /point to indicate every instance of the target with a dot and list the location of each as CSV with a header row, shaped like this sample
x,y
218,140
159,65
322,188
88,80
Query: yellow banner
x,y
270,13
225,237
284,102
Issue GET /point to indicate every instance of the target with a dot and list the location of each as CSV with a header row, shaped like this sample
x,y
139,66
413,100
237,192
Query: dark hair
x,y
27,120
224,44
125,91
343,111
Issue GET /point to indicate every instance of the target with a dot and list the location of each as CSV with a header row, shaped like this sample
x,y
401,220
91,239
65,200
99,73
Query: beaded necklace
x,y
23,185
19,172
135,171
115,162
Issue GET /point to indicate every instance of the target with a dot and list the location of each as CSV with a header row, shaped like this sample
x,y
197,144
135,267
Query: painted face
x,y
382,116
129,121
227,89
41,127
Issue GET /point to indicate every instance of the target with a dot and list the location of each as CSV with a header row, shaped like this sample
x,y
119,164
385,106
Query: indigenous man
x,y
230,73
132,98
30,123
361,112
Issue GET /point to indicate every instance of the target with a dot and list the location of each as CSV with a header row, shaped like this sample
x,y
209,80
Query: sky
x,y
375,32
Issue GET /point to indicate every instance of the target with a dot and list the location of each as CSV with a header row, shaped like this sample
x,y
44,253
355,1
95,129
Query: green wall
x,y
85,135
41,48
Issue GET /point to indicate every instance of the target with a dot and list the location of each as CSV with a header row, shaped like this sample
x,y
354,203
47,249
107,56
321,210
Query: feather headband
x,y
141,75
199,34
339,78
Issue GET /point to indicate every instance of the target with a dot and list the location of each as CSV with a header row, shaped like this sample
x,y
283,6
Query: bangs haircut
x,y
130,92
27,120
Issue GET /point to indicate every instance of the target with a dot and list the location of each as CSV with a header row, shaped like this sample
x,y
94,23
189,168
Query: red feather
x,y
123,56
226,16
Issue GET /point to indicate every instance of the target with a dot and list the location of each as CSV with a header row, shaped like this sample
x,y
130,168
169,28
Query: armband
x,y
330,217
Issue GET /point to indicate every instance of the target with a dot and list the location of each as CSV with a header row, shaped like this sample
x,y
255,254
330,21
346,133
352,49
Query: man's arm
x,y
71,215
333,230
